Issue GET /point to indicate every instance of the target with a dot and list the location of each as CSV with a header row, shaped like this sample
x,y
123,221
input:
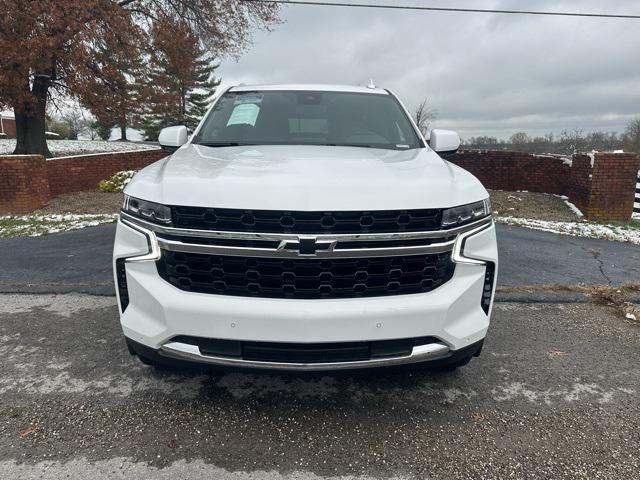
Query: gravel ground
x,y
84,202
554,395
536,206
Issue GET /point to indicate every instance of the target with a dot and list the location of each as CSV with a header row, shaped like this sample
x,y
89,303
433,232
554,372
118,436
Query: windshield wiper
x,y
221,144
360,145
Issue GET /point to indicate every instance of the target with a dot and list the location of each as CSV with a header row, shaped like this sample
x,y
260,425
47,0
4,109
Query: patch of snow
x,y
565,159
630,316
571,206
106,153
577,229
592,156
618,151
132,134
61,148
36,225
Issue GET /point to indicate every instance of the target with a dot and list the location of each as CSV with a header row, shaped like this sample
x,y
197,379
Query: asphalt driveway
x,y
80,261
554,394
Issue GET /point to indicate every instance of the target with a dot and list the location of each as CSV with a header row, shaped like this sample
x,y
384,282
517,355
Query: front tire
x,y
452,367
461,358
150,360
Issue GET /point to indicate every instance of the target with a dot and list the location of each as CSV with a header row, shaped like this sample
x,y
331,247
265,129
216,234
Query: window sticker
x,y
248,98
244,114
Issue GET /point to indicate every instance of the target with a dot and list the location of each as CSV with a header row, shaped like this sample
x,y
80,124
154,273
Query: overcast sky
x,y
485,74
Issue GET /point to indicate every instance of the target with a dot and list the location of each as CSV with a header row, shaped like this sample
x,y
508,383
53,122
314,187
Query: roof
x,y
310,87
6,114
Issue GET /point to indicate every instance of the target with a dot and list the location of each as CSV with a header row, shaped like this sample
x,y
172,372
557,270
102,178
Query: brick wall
x,y
613,186
505,170
8,127
77,173
24,184
579,186
601,185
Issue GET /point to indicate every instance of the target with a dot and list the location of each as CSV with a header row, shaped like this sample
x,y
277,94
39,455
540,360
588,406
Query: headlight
x,y
456,216
151,211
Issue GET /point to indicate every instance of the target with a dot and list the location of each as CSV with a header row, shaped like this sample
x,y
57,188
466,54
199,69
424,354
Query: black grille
x,y
121,275
305,278
305,352
275,221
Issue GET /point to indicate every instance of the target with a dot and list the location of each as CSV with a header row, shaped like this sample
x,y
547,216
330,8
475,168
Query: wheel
x,y
461,358
151,360
152,363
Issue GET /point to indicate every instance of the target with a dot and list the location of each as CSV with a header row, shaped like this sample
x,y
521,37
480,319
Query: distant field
x,y
61,148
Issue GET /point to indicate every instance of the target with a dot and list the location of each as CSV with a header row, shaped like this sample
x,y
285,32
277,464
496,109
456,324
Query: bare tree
x,y
632,136
424,115
74,118
573,141
519,141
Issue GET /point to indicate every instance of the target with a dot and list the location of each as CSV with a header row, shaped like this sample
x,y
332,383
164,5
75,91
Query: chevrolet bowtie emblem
x,y
306,245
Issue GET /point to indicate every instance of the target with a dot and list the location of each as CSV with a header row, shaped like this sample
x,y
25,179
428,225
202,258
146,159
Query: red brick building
x,y
7,125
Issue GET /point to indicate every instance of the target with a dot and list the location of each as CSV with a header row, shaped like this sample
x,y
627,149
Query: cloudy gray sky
x,y
485,74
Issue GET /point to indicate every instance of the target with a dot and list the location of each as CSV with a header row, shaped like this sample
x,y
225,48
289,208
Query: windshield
x,y
308,118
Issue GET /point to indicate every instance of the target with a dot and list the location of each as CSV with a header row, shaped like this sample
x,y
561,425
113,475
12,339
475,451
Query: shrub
x,y
60,128
117,182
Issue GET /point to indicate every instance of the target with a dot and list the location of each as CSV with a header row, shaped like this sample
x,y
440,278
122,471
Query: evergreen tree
x,y
181,79
200,95
113,93
103,130
50,47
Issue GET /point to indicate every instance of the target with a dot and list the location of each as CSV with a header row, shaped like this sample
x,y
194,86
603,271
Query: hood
x,y
312,178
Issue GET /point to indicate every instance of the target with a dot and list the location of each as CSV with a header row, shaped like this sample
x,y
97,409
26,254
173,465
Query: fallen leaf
x,y
477,417
27,431
557,353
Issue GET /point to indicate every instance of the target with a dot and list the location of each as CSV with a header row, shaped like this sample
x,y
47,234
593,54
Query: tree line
x,y
174,87
567,143
143,63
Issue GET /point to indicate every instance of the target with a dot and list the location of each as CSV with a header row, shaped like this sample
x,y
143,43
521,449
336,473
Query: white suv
x,y
305,227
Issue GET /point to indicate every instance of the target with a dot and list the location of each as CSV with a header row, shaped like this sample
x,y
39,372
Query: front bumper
x,y
157,312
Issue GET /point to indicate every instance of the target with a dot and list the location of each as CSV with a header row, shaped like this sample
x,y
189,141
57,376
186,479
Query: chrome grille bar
x,y
176,246
351,237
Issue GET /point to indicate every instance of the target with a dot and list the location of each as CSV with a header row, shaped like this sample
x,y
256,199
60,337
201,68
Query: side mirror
x,y
172,138
444,141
